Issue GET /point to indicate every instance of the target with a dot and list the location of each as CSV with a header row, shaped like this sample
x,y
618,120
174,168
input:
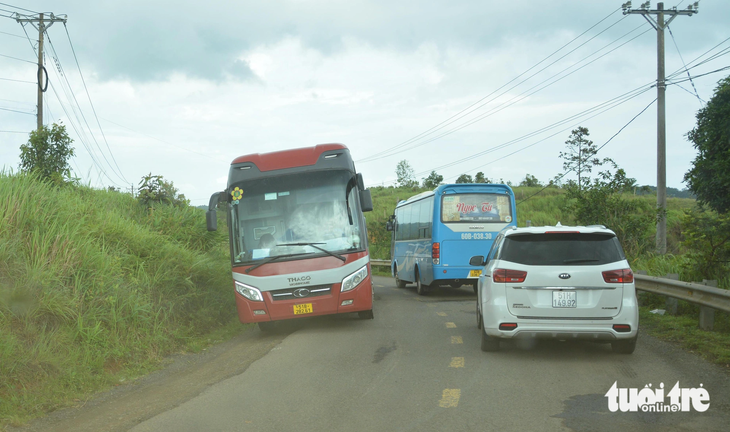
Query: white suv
x,y
557,282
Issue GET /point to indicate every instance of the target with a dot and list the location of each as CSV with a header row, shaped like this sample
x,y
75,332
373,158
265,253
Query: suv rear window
x,y
562,249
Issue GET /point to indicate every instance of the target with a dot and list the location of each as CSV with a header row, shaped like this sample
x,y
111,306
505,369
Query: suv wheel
x,y
624,346
489,344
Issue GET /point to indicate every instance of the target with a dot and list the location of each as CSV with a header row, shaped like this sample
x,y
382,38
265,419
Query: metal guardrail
x,y
375,262
709,298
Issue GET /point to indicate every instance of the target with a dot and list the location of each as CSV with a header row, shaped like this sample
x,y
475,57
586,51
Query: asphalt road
x,y
416,367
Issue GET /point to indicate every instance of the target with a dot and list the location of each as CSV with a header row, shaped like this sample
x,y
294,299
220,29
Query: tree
x,y
154,189
580,155
433,180
406,177
479,178
602,202
709,177
47,153
464,178
530,181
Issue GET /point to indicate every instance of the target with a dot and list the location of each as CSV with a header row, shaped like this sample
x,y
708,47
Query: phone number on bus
x,y
476,236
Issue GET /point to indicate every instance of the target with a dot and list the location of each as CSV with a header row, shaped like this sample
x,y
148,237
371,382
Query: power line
x,y
19,59
684,64
17,7
527,93
467,110
597,150
16,111
14,80
92,104
11,34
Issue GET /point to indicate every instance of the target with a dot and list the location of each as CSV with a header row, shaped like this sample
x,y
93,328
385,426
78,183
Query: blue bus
x,y
435,233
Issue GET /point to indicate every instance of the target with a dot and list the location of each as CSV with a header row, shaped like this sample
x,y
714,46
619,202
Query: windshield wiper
x,y
314,245
272,259
581,260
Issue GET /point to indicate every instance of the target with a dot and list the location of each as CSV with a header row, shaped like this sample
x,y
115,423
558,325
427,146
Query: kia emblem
x,y
564,276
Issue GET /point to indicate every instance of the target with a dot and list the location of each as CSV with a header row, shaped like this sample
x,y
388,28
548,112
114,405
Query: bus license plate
x,y
303,309
475,273
564,299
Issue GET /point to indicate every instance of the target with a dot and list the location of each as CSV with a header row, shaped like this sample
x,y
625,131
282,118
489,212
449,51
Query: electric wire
x,y
19,59
17,7
14,80
527,93
468,109
581,117
73,50
597,150
16,111
79,133
91,133
684,64
11,34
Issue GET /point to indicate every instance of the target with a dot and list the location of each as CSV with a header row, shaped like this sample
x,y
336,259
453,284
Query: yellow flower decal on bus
x,y
236,195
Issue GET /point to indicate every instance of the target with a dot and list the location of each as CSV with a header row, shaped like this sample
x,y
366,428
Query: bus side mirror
x,y
211,219
366,200
477,261
390,224
360,182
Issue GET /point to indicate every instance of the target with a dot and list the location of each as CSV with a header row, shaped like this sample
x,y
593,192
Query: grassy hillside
x,y
94,286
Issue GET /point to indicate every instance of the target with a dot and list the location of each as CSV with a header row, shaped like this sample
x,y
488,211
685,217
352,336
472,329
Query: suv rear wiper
x,y
314,245
580,260
272,259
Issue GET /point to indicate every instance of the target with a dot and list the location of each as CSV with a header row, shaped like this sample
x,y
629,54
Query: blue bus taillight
x,y
436,253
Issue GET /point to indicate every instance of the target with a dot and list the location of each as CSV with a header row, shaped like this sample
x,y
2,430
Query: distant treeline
x,y
671,192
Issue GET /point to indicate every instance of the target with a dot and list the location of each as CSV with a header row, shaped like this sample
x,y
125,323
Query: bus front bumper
x,y
358,299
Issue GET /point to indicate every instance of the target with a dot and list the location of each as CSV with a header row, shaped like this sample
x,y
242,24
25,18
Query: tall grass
x,y
93,284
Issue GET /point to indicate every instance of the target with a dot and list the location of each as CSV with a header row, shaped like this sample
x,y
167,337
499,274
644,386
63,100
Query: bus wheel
x,y
420,288
266,326
399,283
368,314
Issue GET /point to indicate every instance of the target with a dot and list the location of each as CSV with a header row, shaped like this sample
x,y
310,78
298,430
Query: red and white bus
x,y
297,235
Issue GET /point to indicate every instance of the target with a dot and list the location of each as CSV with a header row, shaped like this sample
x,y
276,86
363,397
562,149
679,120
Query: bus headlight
x,y
354,279
248,291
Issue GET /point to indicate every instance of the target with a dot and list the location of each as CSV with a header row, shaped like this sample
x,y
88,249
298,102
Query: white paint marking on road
x,y
450,325
456,340
441,314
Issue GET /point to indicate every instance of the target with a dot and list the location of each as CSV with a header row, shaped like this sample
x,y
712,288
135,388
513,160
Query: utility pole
x,y
661,156
41,25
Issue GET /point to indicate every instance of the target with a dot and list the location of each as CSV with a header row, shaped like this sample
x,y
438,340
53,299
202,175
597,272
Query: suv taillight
x,y
509,276
618,276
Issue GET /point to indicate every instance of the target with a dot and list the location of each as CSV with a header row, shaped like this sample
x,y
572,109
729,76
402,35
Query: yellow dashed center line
x,y
441,313
450,325
457,362
456,340
450,398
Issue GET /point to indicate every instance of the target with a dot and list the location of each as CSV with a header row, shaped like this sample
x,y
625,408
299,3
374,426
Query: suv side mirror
x,y
477,261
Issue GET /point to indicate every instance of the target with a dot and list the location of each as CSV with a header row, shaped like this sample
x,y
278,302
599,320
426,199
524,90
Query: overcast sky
x,y
182,87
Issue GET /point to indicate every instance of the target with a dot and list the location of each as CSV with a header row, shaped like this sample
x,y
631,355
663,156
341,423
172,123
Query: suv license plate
x,y
302,308
564,299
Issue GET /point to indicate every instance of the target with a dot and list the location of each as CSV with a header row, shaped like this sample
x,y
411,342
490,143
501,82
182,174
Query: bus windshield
x,y
476,208
292,216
